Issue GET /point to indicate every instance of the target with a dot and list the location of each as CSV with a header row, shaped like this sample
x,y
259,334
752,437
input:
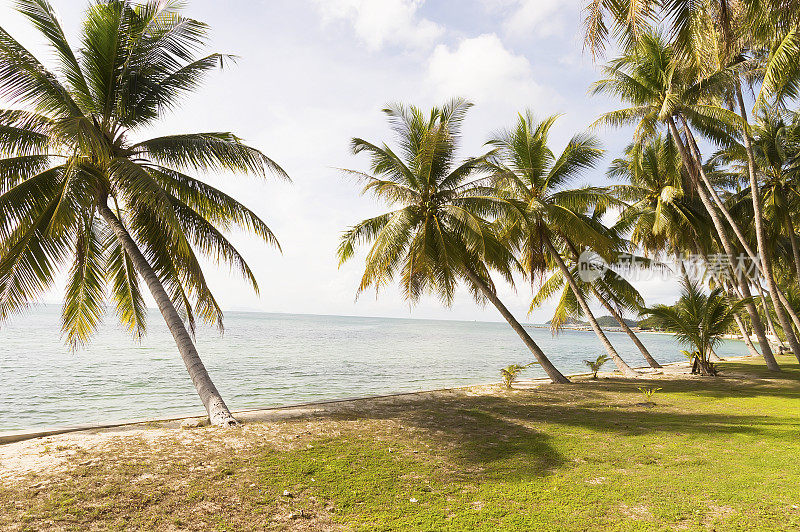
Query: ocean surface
x,y
267,360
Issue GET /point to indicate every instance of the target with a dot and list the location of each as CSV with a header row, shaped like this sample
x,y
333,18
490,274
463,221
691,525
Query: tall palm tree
x,y
740,39
650,78
76,187
659,214
528,173
437,233
716,36
777,157
698,319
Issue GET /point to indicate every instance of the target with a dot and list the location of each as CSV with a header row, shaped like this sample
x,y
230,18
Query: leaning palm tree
x,y
698,319
777,157
437,233
528,173
650,77
659,213
611,290
77,188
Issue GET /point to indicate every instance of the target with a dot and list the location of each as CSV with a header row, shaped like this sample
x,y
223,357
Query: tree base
x,y
704,368
222,419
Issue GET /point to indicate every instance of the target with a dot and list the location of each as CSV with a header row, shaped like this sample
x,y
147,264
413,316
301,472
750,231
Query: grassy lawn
x,y
712,454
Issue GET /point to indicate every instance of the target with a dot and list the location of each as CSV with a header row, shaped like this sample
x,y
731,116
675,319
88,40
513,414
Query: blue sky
x,y
314,73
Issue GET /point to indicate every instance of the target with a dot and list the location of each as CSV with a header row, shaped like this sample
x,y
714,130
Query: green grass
x,y
712,454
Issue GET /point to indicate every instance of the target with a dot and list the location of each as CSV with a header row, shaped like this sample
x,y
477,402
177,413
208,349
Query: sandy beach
x,y
56,452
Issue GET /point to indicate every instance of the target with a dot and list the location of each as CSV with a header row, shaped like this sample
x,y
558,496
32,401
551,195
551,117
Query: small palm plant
x,y
648,394
510,373
596,364
699,320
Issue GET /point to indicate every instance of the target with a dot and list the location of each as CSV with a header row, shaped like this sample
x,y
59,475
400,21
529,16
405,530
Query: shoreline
x,y
9,437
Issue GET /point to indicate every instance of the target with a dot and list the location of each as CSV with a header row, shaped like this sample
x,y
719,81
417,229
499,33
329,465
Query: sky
x,y
312,74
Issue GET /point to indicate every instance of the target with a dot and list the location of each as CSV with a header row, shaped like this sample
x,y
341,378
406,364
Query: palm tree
x,y
777,157
698,319
437,233
659,213
717,37
527,172
77,188
626,20
611,290
648,76
769,25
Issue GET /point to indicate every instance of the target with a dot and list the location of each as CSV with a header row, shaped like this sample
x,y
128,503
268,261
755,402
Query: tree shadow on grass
x,y
483,430
469,432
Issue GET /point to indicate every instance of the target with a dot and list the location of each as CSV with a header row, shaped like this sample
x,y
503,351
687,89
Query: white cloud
x,y
380,23
483,70
537,18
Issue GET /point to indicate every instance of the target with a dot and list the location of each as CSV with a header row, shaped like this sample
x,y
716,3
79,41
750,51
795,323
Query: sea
x,y
265,360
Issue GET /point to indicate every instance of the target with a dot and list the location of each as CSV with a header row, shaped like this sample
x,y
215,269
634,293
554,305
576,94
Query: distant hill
x,y
648,323
610,321
603,321
571,322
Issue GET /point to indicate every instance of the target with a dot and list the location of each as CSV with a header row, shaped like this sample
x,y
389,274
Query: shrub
x,y
510,373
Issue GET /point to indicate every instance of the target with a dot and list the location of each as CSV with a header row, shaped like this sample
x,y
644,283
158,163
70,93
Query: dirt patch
x,y
637,513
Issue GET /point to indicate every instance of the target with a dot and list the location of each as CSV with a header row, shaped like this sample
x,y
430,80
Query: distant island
x,y
606,322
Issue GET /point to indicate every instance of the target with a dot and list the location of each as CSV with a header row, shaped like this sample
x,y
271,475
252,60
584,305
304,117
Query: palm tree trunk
x,y
645,353
770,324
713,356
555,376
755,319
218,413
761,239
795,247
773,330
790,311
746,336
731,288
622,366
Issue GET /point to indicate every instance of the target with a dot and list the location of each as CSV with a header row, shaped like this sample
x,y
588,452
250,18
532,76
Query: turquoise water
x,y
268,359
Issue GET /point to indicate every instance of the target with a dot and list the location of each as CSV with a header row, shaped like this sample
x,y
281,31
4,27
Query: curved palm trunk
x,y
772,329
795,247
713,356
789,310
746,336
742,328
761,238
555,376
645,353
622,366
755,319
770,324
765,262
218,413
